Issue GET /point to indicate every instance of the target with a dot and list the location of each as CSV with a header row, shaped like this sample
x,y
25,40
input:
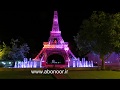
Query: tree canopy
x,y
4,51
99,34
14,52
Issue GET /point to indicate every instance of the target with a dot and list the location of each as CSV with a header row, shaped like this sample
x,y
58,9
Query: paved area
x,y
60,76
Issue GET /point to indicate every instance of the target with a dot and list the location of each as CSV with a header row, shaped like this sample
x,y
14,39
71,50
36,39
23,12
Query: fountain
x,y
38,64
82,63
26,64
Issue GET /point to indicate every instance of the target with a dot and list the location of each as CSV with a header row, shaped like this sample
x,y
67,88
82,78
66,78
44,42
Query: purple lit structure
x,y
54,46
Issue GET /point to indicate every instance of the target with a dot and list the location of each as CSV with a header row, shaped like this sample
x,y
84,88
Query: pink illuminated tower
x,y
55,49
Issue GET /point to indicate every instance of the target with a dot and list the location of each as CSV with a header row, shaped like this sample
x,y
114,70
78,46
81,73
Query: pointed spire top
x,y
55,26
55,19
55,13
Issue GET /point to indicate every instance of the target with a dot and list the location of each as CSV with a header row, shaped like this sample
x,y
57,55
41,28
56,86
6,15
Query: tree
x,y
99,34
4,51
18,52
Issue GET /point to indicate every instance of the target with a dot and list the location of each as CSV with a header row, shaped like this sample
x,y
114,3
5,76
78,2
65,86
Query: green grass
x,y
72,74
23,75
94,74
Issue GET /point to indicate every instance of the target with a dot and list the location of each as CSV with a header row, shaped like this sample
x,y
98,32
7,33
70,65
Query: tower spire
x,y
55,26
55,34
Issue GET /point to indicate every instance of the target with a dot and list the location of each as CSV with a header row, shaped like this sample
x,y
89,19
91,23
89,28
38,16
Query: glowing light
x,y
55,20
25,64
73,63
3,63
10,62
55,31
61,41
56,46
66,48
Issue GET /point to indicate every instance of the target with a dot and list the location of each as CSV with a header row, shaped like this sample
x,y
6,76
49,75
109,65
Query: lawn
x,y
76,74
94,74
23,75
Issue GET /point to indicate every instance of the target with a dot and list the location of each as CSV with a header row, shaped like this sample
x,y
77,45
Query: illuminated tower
x,y
55,34
55,48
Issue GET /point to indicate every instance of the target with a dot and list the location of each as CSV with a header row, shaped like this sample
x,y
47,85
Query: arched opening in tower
x,y
55,59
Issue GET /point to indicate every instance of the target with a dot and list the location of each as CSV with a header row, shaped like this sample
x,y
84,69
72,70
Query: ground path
x,y
60,76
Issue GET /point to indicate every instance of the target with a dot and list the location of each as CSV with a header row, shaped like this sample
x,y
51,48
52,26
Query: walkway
x,y
60,76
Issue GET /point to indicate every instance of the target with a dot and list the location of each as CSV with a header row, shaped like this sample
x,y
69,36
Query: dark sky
x,y
34,26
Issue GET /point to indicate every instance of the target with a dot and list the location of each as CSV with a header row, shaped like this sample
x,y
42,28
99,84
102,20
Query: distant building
x,y
113,58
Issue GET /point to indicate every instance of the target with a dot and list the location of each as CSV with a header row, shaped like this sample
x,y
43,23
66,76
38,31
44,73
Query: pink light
x,y
56,19
55,31
66,48
61,41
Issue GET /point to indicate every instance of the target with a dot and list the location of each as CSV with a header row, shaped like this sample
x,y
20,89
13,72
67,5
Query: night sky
x,y
34,26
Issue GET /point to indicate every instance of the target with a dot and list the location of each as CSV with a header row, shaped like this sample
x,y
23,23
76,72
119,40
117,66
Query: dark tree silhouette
x,y
99,34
